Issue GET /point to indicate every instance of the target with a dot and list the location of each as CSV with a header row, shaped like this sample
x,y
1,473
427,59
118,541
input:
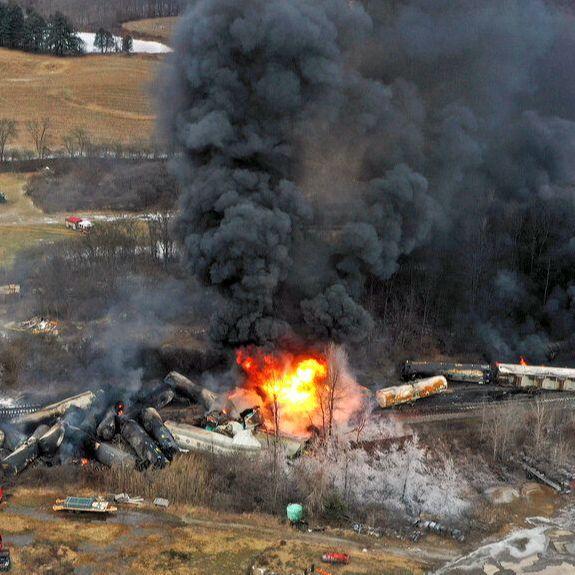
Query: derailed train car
x,y
534,377
407,393
519,376
455,372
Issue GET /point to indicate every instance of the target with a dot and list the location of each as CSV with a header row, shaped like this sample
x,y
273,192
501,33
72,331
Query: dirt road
x,y
187,541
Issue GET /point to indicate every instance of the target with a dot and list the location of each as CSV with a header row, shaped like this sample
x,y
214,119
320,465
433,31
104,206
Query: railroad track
x,y
477,408
454,410
10,413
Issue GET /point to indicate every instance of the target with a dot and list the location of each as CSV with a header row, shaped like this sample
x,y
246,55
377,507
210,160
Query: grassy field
x,y
19,207
152,28
184,541
14,238
22,225
108,96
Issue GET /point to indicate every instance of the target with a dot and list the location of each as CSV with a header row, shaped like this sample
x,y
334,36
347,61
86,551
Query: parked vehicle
x,y
5,562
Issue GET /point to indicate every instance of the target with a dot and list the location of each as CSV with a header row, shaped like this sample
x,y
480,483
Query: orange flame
x,y
84,461
288,387
522,361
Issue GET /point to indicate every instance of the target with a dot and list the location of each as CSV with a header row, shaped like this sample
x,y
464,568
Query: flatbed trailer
x,y
84,505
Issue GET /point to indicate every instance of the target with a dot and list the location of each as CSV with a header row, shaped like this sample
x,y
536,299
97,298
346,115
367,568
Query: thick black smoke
x,y
252,80
327,143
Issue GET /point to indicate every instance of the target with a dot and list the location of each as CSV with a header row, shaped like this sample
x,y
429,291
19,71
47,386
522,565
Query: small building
x,y
77,223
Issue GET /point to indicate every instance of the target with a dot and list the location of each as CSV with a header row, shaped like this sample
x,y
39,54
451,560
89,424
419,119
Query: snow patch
x,y
139,46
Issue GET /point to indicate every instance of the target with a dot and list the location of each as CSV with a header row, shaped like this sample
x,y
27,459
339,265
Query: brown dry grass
x,y
19,208
143,541
153,28
186,480
22,225
108,96
43,558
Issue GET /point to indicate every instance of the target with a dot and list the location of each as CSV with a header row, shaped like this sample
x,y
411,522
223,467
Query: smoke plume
x,y
326,145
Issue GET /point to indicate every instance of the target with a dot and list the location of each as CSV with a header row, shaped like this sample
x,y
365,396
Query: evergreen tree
x,y
11,25
3,24
61,39
127,44
34,35
104,40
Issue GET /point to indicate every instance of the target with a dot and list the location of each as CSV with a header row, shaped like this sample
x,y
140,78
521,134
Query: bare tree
x,y
541,417
162,245
331,394
95,13
39,131
70,145
503,427
414,466
334,379
77,142
8,131
83,140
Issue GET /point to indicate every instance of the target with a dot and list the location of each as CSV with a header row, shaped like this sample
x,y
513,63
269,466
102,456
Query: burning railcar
x,y
520,375
396,395
456,372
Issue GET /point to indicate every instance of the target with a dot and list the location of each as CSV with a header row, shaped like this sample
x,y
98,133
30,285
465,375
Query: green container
x,y
294,512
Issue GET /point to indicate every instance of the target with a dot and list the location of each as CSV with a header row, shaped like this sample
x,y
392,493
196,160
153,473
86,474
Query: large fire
x,y
290,388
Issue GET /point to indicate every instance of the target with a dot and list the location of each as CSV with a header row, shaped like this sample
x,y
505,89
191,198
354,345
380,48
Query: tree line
x,y
38,130
105,41
103,184
77,143
91,14
26,29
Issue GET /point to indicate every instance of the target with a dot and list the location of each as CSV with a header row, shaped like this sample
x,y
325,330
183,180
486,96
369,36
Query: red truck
x,y
335,558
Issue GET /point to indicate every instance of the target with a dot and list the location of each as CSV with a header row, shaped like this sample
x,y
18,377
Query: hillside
x,y
154,28
108,96
91,14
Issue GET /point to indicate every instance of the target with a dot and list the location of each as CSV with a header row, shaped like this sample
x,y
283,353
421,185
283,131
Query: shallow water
x,y
547,547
